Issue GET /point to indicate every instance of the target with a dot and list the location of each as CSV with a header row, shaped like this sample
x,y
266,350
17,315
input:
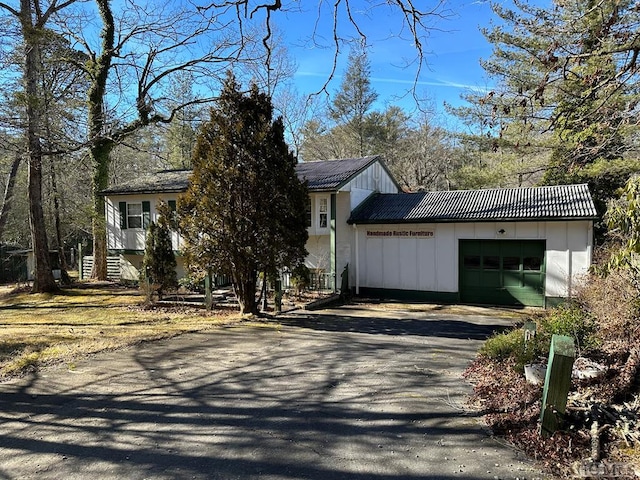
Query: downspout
x,y
333,241
355,230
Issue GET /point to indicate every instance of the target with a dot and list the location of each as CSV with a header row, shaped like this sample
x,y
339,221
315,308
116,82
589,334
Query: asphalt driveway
x,y
349,393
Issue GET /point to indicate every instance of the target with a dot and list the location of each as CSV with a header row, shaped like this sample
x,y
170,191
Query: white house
x,y
336,188
524,246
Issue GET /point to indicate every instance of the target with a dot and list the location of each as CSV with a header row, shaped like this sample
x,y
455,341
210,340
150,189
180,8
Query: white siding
x,y
431,263
132,238
372,179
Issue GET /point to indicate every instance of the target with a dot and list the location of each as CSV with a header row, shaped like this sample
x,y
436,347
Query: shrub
x,y
193,282
503,345
573,321
614,301
159,263
511,345
300,277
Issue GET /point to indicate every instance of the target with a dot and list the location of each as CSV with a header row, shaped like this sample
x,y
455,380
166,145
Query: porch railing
x,y
317,281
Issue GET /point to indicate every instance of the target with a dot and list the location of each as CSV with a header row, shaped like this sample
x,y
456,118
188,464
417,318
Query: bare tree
x,y
32,17
130,71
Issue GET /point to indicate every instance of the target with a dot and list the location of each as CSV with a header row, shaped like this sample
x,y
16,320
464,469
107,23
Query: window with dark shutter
x,y
122,210
146,214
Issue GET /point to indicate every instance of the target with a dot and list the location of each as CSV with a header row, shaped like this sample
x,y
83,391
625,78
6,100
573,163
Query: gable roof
x,y
330,175
327,175
165,181
562,202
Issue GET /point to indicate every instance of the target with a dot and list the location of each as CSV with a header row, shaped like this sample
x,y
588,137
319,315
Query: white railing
x,y
318,281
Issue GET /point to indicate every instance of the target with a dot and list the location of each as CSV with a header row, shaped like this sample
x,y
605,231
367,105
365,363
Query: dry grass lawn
x,y
40,329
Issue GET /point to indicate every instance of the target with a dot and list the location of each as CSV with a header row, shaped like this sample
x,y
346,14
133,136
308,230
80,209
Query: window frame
x,y
322,212
145,215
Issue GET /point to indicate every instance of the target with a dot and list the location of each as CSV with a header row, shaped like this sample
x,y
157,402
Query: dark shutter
x,y
172,205
122,207
146,214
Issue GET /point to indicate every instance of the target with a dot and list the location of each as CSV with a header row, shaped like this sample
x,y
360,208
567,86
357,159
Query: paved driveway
x,y
349,393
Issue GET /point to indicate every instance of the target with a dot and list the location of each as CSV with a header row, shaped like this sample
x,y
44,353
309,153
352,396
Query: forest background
x,y
96,92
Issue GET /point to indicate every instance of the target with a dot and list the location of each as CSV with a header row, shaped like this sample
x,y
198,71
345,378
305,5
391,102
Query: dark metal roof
x,y
332,174
562,202
165,181
322,176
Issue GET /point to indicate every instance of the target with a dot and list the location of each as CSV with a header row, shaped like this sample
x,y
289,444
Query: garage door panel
x,y
511,272
491,279
512,279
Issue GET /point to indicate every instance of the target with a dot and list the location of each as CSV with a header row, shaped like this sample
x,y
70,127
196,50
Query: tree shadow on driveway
x,y
460,327
272,402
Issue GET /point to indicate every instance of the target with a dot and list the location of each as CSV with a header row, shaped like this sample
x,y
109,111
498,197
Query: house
x,y
336,188
518,246
525,246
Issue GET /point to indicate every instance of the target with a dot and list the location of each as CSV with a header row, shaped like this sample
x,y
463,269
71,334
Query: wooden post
x,y
208,297
80,266
278,295
556,384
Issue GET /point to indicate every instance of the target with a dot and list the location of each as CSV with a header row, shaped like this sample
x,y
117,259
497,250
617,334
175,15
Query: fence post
x,y
80,262
278,295
556,384
208,297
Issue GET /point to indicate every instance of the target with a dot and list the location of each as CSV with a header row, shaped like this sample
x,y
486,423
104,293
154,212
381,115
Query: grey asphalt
x,y
350,393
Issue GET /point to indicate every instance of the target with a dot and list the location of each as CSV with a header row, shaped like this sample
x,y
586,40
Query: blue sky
x,y
453,50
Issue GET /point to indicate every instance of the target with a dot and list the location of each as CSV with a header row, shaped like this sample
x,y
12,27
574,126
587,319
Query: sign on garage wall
x,y
401,233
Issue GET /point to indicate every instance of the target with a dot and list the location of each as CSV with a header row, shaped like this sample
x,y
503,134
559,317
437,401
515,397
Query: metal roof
x,y
332,174
561,202
328,175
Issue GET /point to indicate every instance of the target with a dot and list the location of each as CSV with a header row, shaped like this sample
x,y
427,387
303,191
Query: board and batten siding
x,y
428,260
372,179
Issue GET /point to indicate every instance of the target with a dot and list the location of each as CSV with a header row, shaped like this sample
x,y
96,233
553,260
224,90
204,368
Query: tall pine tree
x,y
245,209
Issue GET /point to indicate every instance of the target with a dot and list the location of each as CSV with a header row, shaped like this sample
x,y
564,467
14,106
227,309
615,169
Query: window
x,y
491,262
511,263
471,261
134,214
323,213
532,263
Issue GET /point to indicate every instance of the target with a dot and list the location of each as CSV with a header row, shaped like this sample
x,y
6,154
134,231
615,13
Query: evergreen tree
x,y
567,90
354,99
245,209
159,263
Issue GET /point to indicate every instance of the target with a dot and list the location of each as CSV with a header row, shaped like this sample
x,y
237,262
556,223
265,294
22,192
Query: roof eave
x,y
467,220
147,191
375,158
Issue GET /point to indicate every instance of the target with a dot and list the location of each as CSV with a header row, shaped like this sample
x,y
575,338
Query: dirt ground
x,y
359,392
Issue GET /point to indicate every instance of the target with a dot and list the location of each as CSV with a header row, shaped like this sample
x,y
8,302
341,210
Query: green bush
x,y
511,345
192,282
504,345
570,320
300,277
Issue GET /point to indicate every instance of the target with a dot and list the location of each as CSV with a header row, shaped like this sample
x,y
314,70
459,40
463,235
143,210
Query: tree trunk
x,y
245,288
100,146
100,182
43,276
64,268
8,193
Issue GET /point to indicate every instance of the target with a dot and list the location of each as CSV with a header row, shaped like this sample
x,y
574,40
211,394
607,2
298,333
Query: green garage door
x,y
502,272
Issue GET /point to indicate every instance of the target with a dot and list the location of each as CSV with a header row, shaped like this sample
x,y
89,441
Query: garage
x,y
507,272
522,246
